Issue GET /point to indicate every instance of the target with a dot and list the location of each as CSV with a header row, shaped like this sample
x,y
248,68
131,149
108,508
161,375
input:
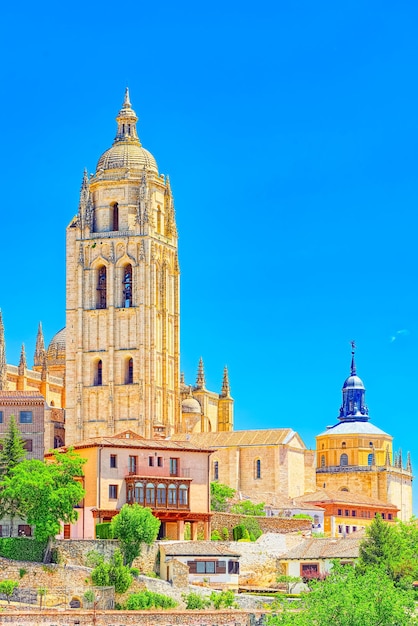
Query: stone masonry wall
x,y
135,618
267,524
75,551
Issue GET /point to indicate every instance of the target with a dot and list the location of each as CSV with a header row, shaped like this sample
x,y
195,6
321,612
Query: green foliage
x,y
22,549
238,532
187,531
303,516
103,531
349,598
195,601
112,573
134,571
246,507
89,596
215,535
7,588
249,530
13,449
225,534
22,572
134,525
144,600
219,496
290,581
93,558
45,494
223,600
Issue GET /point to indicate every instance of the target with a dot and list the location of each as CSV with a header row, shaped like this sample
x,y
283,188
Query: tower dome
x,y
191,405
55,354
127,151
353,408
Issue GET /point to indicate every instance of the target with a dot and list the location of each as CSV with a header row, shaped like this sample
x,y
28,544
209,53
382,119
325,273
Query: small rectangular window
x,y
347,512
132,464
174,467
340,511
113,460
113,492
1,417
151,461
353,513
25,417
28,445
389,515
160,461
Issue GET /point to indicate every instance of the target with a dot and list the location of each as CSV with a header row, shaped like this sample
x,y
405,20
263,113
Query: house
x,y
314,557
169,477
208,561
347,512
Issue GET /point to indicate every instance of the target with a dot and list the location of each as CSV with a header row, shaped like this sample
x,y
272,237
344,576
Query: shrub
x,y
223,600
225,534
22,549
215,536
7,588
22,572
194,601
113,573
253,527
144,600
238,532
103,531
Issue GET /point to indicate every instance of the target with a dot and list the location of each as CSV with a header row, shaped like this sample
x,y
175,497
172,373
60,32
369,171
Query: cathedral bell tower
x,y
122,329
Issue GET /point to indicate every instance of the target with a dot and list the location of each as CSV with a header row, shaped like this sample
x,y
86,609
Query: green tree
x,y
45,494
246,507
349,598
42,591
219,496
10,456
112,573
134,525
7,588
385,547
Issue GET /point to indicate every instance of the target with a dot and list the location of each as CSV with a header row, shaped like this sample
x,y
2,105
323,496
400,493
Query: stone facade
x,y
280,525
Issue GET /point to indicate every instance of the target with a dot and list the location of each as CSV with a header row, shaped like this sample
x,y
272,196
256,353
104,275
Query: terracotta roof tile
x,y
343,497
320,548
271,437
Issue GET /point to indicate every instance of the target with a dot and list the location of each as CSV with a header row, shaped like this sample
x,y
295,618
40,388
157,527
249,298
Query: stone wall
x,y
75,551
180,574
267,524
134,618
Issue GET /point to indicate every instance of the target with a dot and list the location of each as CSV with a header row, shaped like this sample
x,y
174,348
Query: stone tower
x,y
355,455
122,289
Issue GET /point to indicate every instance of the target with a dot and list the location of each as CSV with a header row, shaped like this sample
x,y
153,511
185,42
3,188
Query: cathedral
x,y
115,367
116,364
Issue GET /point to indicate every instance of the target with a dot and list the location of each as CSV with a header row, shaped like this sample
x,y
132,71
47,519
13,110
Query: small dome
x,y
353,382
127,155
191,405
56,350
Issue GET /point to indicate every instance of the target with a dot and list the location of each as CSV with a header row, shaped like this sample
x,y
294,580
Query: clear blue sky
x,y
290,135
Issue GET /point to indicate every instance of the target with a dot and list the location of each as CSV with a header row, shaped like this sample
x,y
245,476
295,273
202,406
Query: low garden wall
x,y
279,525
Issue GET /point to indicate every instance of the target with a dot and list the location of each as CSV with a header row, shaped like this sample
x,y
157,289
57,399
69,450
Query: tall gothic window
x,y
370,458
129,372
344,460
258,468
98,378
115,216
101,288
127,286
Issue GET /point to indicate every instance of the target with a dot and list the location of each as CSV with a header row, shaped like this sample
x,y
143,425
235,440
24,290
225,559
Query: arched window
x,y
323,460
98,377
183,495
344,460
343,445
139,493
129,371
370,458
101,288
115,216
161,494
150,494
258,468
127,286
215,470
172,494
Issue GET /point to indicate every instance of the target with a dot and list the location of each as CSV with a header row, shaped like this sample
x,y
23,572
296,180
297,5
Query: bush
x,y
215,536
225,534
195,601
113,573
253,528
22,549
223,600
238,532
144,600
103,531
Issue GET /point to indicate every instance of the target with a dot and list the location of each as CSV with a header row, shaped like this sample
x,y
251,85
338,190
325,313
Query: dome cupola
x,y
353,407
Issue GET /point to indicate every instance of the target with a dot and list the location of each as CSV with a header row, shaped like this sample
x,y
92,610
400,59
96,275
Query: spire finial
x,y
226,390
40,347
127,102
200,380
22,362
3,365
353,363
127,120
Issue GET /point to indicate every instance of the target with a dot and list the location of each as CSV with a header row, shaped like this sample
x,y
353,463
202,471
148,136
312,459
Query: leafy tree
x,y
45,494
195,601
290,581
112,573
349,598
42,591
7,588
219,496
10,456
246,507
384,546
134,525
223,599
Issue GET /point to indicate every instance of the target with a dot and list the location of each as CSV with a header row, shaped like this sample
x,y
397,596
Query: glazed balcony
x,y
168,493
